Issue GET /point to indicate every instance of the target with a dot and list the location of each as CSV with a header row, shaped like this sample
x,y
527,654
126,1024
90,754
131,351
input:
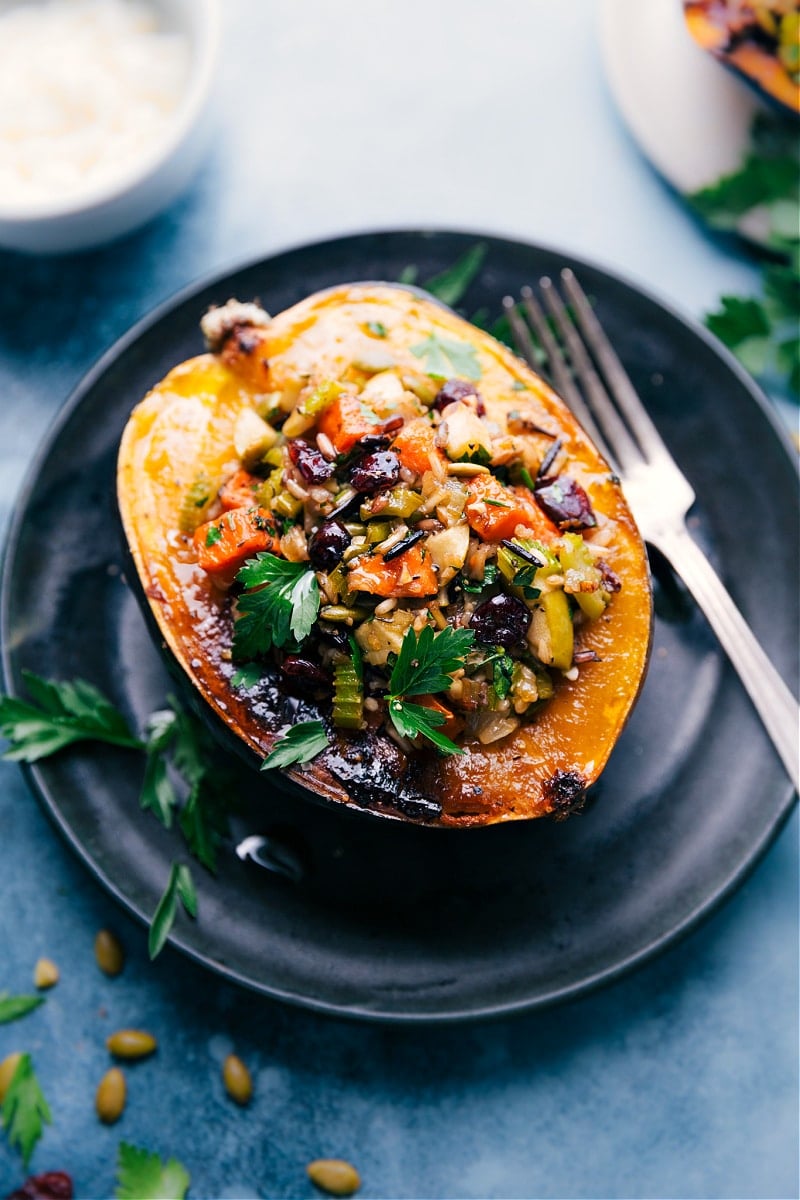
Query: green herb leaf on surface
x,y
300,744
765,190
450,285
204,820
445,357
14,1007
143,1176
376,328
280,603
60,715
180,886
25,1111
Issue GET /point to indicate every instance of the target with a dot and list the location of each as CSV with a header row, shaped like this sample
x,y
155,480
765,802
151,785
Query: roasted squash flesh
x,y
363,476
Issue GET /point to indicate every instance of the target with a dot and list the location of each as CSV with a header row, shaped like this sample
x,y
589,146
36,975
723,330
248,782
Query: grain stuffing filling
x,y
390,527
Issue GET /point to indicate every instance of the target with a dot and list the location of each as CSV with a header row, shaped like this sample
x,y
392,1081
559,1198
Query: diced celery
x,y
348,695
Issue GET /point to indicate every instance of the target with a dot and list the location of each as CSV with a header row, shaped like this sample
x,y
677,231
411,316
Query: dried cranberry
x,y
565,502
458,389
303,674
52,1185
310,462
328,545
501,621
611,580
374,471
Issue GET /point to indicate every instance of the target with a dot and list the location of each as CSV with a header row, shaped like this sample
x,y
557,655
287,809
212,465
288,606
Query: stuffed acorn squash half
x,y
388,559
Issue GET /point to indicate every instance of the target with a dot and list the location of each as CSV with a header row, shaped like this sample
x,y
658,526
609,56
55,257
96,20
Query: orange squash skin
x,y
185,427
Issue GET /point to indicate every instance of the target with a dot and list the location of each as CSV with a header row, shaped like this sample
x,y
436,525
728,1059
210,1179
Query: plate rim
x,y
701,912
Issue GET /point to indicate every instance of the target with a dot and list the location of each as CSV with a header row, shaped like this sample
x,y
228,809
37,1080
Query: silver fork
x,y
657,491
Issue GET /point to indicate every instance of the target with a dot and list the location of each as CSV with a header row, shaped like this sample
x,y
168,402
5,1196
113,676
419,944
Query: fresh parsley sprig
x,y
60,715
25,1111
143,1176
424,666
280,604
763,192
299,744
14,1007
180,886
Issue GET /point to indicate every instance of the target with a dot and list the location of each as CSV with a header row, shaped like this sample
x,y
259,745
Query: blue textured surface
x,y
680,1081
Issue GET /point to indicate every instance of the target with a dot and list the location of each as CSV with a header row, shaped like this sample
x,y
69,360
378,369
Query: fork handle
x,y
773,701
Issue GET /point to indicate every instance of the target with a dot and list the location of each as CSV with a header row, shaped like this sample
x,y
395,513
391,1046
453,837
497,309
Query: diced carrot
x,y
415,445
494,511
224,545
409,575
240,490
453,725
345,423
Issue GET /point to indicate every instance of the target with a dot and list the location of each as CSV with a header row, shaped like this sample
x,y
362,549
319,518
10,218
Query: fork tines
x,y
577,352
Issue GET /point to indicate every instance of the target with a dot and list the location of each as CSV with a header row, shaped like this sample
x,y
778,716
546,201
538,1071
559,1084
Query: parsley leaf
x,y
14,1007
445,357
412,720
180,886
427,660
376,328
300,743
143,1176
25,1110
761,331
280,604
246,677
62,713
501,675
424,665
450,285
203,818
157,794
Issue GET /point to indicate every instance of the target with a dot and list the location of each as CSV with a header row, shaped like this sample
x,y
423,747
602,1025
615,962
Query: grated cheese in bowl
x,y
88,88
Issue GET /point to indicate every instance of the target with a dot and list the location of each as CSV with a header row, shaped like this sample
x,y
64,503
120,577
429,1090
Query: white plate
x,y
690,115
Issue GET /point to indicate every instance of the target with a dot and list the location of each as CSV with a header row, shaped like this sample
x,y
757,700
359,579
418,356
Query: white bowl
x,y
152,181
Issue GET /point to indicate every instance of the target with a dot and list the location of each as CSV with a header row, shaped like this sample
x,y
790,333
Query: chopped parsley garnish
x,y
213,535
496,503
299,744
25,1110
445,357
376,328
424,666
180,886
143,1176
501,675
280,604
490,573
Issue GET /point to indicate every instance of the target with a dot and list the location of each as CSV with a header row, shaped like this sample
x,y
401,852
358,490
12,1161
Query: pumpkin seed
x,y
109,953
109,1099
7,1068
237,1079
131,1043
45,973
465,470
335,1176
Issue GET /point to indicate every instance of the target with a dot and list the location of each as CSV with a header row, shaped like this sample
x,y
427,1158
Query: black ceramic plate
x,y
414,924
